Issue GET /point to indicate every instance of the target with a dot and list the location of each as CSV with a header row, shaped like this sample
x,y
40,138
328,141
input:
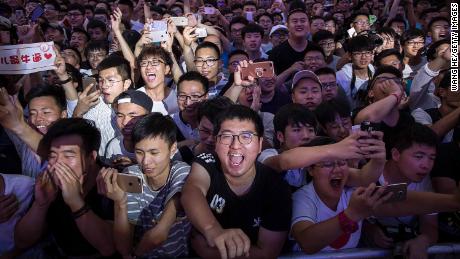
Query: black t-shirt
x,y
64,229
283,56
447,164
267,203
279,99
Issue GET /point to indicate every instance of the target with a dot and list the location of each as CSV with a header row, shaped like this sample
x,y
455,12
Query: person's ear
x,y
63,114
280,137
127,84
395,154
173,150
167,69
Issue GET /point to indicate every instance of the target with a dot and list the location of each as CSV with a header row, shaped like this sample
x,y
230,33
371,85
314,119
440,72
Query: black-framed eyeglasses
x,y
329,85
153,63
209,62
193,97
245,138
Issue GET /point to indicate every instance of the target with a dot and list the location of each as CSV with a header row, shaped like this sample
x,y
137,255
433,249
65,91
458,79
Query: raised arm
x,y
167,45
189,56
393,11
69,89
115,20
286,74
238,83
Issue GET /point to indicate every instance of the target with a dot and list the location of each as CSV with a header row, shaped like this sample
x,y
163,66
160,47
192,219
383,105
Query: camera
x,y
370,126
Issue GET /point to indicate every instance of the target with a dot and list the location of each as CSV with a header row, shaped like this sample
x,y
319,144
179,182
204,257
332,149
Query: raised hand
x,y
11,112
45,189
86,100
375,148
350,147
111,188
115,20
189,35
70,185
364,200
238,79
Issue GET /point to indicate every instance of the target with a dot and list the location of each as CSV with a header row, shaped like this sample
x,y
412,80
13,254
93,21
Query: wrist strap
x,y
398,98
80,212
347,225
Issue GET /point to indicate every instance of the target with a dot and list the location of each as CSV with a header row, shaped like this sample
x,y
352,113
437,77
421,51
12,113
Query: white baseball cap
x,y
277,27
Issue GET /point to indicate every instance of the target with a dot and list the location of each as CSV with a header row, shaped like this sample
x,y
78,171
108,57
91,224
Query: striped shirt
x,y
145,209
104,119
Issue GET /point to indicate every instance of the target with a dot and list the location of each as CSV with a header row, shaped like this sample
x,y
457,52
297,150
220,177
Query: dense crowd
x,y
229,129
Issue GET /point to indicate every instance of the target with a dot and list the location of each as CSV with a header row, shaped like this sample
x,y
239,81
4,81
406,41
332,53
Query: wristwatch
x,y
69,79
347,225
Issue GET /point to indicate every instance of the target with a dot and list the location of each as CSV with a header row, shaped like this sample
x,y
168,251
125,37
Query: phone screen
x,y
36,13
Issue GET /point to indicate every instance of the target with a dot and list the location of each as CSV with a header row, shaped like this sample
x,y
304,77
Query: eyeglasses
x,y
193,97
74,14
363,53
96,55
209,62
108,83
416,43
245,138
279,35
329,85
330,165
327,44
234,64
361,22
205,132
153,63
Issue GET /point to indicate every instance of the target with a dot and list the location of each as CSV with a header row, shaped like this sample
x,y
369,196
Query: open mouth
x,y
151,77
236,159
336,183
41,128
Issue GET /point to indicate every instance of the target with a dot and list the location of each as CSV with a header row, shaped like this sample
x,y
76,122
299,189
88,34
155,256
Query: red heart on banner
x,y
48,55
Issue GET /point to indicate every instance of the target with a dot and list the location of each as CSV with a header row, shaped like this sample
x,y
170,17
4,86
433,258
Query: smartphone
x,y
158,26
370,126
90,80
180,21
208,10
398,190
37,13
129,183
257,70
158,36
201,32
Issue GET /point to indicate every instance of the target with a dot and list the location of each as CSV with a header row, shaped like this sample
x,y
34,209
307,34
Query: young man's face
x,y
298,25
398,27
97,34
95,57
278,37
362,59
70,57
318,9
330,26
55,35
329,178
234,60
439,30
51,14
112,84
316,25
393,61
190,95
308,93
43,112
266,23
252,41
68,150
295,135
328,46
207,63
153,156
314,60
78,41
416,162
339,17
361,23
376,93
236,158
153,71
413,46
205,129
235,32
246,96
338,129
76,18
267,85
5,38
330,88
126,112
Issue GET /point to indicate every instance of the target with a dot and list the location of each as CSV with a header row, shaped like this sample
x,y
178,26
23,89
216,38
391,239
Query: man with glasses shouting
x,y
237,205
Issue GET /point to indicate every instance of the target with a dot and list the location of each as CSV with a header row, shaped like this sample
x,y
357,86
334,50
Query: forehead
x,y
389,59
237,25
361,17
112,71
39,102
65,143
156,142
130,107
238,57
416,147
190,85
237,125
313,53
307,83
203,52
298,15
326,77
150,57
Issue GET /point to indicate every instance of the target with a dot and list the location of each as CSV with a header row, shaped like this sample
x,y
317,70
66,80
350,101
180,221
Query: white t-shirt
x,y
294,177
167,106
23,187
307,206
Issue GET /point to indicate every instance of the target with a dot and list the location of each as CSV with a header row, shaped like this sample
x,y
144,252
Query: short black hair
x,y
54,3
314,47
386,53
208,45
359,43
325,71
155,51
213,107
293,114
97,45
238,19
101,11
322,35
121,64
74,50
236,6
193,76
129,3
85,129
327,111
94,23
242,113
412,34
263,14
56,92
397,19
383,70
252,28
297,6
437,19
77,7
416,133
431,52
79,30
250,3
155,125
237,52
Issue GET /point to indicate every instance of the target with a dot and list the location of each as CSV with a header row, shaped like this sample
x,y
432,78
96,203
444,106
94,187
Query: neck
x,y
331,202
392,174
241,185
157,93
254,54
128,144
190,119
411,60
297,43
361,72
266,97
158,181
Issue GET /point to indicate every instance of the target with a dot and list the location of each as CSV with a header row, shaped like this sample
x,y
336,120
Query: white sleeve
x,y
71,104
266,154
421,117
303,206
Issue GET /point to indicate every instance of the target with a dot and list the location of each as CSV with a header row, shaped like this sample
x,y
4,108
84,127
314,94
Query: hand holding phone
x,y
398,190
130,183
180,21
263,69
